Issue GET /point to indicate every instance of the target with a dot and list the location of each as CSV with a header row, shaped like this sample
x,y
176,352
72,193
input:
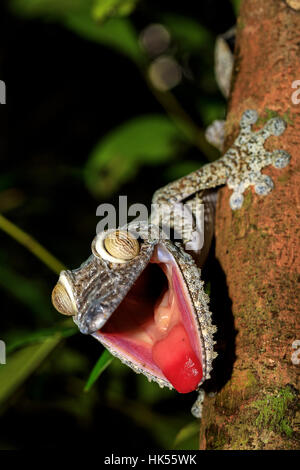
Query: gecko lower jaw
x,y
155,327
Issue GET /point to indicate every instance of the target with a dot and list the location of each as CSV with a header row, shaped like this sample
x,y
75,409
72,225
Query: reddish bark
x,y
258,247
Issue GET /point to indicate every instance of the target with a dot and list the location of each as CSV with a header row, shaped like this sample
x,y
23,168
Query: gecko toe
x,y
236,201
276,126
249,117
264,186
281,158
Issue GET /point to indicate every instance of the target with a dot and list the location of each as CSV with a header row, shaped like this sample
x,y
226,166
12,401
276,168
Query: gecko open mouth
x,y
155,325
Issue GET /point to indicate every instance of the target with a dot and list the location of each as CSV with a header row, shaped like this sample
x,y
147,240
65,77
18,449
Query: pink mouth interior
x,y
154,325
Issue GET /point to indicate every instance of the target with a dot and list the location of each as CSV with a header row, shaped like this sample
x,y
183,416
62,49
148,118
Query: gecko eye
x,y
118,246
62,301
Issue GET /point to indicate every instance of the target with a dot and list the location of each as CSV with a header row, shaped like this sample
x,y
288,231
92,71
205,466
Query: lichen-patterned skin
x,y
239,168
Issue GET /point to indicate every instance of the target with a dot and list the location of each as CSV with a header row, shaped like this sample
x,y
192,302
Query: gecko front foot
x,y
247,157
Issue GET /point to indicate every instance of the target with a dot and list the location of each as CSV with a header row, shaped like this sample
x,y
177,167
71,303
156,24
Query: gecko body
x,y
142,295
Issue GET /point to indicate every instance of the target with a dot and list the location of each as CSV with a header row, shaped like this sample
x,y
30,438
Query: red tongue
x,y
177,360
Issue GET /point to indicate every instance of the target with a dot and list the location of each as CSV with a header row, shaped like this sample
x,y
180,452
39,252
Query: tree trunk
x,y
257,247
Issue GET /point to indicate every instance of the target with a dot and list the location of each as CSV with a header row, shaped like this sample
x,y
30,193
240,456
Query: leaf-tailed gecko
x,y
140,293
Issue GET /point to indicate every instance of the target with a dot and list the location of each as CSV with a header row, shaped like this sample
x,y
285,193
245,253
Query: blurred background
x,y
104,98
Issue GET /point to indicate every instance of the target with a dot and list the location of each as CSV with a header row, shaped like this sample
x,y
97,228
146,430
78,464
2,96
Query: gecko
x,y
140,292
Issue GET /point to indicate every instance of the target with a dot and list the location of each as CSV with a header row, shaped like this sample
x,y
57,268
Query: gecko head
x,y
142,297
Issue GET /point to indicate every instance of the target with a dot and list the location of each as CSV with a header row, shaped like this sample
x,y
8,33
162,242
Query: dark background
x,y
64,94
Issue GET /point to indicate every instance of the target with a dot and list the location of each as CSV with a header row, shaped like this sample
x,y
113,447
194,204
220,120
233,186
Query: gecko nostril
x,y
62,301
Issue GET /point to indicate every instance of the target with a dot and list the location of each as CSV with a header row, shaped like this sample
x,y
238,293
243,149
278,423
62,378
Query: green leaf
x,y
102,363
22,363
105,8
188,33
146,140
52,8
77,15
126,7
188,432
117,33
21,339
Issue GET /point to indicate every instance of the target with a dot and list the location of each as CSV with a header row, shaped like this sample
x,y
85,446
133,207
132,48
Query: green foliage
x,y
146,140
117,33
83,16
99,9
22,363
49,8
102,9
35,347
187,437
187,32
103,362
23,338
